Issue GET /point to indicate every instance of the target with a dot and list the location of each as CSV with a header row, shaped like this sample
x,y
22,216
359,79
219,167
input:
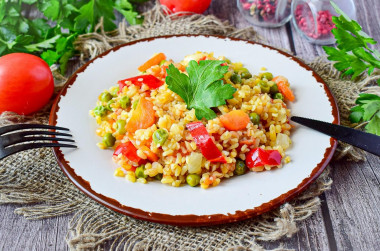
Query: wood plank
x,y
368,14
354,204
353,200
311,236
17,233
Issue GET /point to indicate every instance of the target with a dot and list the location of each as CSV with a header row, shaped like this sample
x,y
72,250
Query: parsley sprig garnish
x,y
52,36
352,54
367,109
202,88
354,57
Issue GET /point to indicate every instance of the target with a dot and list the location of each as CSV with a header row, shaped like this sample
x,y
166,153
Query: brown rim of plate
x,y
192,220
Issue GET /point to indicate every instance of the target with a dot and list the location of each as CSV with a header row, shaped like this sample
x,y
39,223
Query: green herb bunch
x,y
354,57
52,35
203,87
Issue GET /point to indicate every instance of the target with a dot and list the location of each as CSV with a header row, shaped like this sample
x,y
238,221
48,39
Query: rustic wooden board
x,y
349,218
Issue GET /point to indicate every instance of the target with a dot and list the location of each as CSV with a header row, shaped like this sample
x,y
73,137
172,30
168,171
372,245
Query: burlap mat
x,y
34,180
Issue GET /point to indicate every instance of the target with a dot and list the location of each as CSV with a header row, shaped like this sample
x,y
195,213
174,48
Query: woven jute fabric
x,y
34,180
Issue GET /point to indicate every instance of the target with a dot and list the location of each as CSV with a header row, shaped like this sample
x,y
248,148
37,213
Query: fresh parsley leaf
x,y
50,57
368,109
91,13
356,114
51,9
2,10
373,125
126,9
29,1
364,98
46,44
353,55
203,88
53,35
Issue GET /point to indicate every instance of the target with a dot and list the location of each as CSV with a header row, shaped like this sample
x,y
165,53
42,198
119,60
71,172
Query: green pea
x,y
158,176
278,96
267,75
135,103
100,110
114,90
109,104
105,97
160,136
120,126
109,140
139,172
264,87
124,101
246,74
255,118
240,167
162,62
193,179
235,78
273,89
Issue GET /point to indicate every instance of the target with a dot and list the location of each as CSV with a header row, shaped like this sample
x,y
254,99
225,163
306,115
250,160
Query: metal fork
x,y
16,138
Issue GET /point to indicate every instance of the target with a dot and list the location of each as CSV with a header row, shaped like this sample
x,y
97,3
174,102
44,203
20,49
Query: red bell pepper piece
x,y
260,157
149,80
205,143
129,151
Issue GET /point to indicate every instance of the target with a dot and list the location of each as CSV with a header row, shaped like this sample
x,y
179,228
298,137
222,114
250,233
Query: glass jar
x,y
266,13
313,18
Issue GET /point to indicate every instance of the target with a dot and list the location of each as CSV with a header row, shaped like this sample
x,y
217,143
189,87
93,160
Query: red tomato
x,y
197,6
26,83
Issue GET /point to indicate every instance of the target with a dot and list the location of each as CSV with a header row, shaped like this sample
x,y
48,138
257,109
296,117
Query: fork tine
x,y
26,133
11,128
18,148
13,140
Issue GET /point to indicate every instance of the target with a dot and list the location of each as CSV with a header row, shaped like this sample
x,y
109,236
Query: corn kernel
x,y
204,186
119,173
131,176
142,180
287,159
101,145
167,180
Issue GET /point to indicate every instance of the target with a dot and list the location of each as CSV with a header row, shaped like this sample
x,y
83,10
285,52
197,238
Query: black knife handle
x,y
366,141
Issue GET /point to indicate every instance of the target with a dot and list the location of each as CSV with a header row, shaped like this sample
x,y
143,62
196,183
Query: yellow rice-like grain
x,y
171,114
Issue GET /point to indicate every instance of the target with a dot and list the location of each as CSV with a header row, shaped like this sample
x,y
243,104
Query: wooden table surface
x,y
349,218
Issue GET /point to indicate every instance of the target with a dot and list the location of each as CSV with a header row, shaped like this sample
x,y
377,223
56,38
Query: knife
x,y
366,141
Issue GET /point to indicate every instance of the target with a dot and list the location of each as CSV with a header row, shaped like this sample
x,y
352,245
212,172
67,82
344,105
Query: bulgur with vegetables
x,y
195,122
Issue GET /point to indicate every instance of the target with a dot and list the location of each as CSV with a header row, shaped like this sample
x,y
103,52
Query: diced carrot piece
x,y
283,87
151,155
155,60
235,120
142,117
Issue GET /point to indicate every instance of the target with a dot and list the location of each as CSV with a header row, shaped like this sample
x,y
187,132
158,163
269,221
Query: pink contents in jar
x,y
263,9
305,22
266,13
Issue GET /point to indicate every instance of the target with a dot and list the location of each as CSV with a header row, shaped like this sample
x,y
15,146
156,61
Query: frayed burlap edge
x,y
34,178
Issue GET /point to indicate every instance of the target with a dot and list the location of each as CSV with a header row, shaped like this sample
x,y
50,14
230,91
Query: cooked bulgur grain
x,y
177,155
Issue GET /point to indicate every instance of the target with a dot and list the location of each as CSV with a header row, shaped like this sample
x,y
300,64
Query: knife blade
x,y
366,141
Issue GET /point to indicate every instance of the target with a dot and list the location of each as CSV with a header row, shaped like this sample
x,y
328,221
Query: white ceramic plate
x,y
91,169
